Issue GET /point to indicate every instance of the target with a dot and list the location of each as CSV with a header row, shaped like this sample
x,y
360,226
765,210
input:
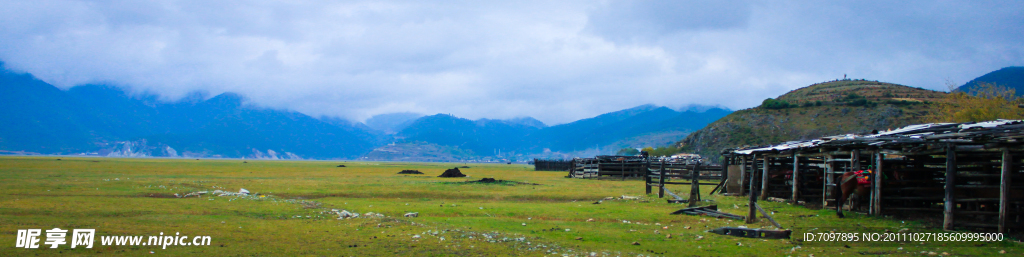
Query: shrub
x,y
775,104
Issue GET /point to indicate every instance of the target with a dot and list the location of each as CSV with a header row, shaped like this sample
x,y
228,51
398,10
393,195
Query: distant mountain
x,y
823,109
609,128
391,123
482,137
106,120
38,117
634,127
1012,77
526,121
111,121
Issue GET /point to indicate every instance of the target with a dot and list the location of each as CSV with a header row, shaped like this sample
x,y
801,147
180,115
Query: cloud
x,y
554,60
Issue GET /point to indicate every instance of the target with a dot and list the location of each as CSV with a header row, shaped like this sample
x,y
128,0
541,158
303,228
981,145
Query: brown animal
x,y
848,185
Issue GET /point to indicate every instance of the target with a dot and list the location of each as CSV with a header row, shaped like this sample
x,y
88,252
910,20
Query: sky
x,y
557,61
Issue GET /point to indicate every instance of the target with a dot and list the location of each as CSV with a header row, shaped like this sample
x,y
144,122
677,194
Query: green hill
x,y
830,108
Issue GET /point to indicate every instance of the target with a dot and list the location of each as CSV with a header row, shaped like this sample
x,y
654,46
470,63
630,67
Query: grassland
x,y
290,216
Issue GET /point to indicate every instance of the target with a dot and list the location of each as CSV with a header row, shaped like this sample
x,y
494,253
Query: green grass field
x,y
290,215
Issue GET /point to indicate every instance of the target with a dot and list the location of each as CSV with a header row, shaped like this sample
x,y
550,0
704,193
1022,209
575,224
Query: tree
x,y
982,103
628,152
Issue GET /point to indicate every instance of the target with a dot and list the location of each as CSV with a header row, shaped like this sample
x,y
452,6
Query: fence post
x,y
950,203
876,192
694,185
764,179
647,175
661,180
796,178
752,216
1004,188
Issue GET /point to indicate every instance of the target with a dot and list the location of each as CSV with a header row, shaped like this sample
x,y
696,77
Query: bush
x,y
775,104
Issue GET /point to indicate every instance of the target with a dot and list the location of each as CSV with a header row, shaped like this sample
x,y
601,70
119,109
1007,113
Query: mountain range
x,y
106,120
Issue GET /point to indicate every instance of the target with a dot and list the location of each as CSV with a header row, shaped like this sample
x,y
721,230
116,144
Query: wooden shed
x,y
969,175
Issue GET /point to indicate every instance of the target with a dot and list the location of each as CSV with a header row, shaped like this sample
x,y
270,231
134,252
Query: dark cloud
x,y
554,60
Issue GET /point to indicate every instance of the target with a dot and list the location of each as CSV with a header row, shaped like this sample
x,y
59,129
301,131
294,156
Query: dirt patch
x,y
452,173
410,172
161,196
493,181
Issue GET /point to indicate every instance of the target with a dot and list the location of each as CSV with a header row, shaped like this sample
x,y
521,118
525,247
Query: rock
x,y
590,220
243,191
668,236
415,236
344,214
626,197
412,214
579,238
524,224
635,243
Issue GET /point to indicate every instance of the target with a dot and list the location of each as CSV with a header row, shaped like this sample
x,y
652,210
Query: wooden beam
x,y
947,219
661,179
752,216
764,179
796,178
855,160
647,176
1004,189
694,186
876,193
828,179
743,172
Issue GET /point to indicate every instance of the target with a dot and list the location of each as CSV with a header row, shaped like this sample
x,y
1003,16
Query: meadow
x,y
289,212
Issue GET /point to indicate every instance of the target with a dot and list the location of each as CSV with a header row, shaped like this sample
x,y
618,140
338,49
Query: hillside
x,y
831,108
1011,77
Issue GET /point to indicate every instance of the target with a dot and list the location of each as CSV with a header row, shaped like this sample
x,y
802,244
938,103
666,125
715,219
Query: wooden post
x,y
622,169
752,216
1004,188
876,189
694,186
947,219
743,172
855,160
764,179
828,179
725,174
796,177
661,180
647,175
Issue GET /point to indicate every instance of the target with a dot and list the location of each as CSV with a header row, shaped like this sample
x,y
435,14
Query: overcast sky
x,y
557,61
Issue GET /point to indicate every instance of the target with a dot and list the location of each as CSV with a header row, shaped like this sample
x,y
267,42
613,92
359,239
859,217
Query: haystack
x,y
410,172
452,173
